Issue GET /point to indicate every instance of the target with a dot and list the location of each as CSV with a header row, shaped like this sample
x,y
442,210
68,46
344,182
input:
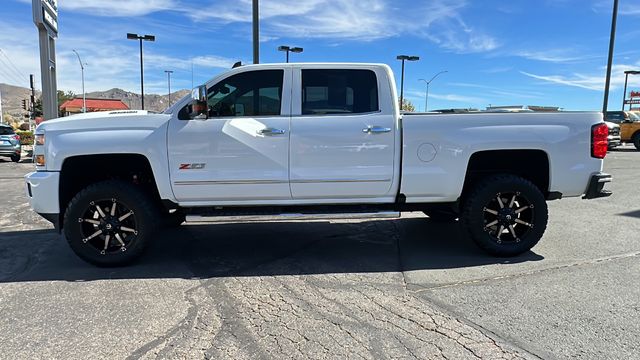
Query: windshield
x,y
615,117
6,130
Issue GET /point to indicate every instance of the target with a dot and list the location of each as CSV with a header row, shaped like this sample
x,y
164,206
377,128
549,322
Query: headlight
x,y
39,139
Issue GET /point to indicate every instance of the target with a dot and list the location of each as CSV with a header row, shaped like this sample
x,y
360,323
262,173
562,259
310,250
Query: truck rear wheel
x,y
110,223
505,215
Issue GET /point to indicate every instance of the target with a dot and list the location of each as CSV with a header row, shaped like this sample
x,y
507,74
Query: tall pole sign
x,y
45,16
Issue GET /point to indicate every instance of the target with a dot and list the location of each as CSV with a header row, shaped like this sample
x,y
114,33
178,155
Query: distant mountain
x,y
12,98
152,102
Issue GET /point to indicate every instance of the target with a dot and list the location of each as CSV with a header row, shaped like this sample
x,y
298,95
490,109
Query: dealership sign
x,y
634,94
45,15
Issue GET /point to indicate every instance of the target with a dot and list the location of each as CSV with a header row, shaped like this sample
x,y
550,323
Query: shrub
x,y
26,137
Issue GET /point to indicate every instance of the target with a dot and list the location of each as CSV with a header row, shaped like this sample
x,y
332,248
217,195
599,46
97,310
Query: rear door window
x,y
329,91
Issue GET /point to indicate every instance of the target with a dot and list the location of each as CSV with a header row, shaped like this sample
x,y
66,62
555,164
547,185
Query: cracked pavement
x,y
373,289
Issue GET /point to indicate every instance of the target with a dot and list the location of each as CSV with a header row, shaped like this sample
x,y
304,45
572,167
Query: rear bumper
x,y
595,189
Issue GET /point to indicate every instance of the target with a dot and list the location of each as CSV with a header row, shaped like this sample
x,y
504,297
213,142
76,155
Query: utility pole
x,y
403,58
169,72
612,41
131,36
32,99
426,95
1,116
256,33
84,98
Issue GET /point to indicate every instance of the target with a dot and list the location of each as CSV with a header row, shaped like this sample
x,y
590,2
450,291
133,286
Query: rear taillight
x,y
16,137
599,133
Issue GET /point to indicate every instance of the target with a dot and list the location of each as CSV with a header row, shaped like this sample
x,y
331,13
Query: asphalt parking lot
x,y
403,288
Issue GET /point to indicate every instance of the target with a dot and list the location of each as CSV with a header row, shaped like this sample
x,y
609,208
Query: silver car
x,y
9,143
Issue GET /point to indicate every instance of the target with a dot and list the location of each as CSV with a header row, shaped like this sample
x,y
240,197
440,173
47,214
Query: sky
x,y
495,52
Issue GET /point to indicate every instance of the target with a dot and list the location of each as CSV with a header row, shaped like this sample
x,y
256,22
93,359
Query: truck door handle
x,y
375,130
270,131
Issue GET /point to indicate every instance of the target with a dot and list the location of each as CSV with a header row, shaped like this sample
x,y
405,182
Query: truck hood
x,y
105,120
611,125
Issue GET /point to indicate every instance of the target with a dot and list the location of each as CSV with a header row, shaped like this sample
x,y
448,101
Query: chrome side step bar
x,y
291,217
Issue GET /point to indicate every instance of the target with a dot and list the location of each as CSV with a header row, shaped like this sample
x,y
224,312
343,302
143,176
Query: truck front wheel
x,y
505,215
110,223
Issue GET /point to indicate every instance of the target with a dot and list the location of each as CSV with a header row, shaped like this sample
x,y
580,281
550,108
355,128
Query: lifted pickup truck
x,y
307,141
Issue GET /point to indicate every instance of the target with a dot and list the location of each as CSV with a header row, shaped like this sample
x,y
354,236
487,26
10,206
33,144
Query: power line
x,y
15,68
10,76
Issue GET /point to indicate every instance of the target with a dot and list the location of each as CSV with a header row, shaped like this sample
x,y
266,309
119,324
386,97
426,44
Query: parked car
x,y
629,126
9,143
308,141
613,140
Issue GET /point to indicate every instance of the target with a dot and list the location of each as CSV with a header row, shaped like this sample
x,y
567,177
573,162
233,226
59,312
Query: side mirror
x,y
199,108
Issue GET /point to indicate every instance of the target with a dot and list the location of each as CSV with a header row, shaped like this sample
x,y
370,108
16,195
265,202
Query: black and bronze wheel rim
x,y
508,217
109,226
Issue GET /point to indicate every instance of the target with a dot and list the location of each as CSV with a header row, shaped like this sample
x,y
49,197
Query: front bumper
x,y
42,191
8,151
613,141
595,189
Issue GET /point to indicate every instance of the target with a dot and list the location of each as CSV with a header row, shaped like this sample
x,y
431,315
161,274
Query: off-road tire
x,y
144,217
483,198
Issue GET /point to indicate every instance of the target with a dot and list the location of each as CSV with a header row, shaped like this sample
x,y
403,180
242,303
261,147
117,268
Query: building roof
x,y
94,104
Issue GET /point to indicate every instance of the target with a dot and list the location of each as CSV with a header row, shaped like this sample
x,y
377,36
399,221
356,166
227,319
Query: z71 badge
x,y
196,166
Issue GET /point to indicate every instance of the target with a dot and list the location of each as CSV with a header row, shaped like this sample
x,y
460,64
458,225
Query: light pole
x,y
403,58
626,77
426,95
290,49
84,98
256,33
612,40
169,72
131,36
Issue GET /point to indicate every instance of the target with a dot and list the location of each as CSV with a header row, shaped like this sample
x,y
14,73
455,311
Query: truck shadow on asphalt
x,y
258,249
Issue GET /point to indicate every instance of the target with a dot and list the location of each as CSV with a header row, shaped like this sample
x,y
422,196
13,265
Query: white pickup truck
x,y
307,141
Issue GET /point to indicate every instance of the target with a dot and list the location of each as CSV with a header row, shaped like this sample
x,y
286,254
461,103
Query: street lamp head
x,y
149,38
296,50
408,57
632,72
284,48
132,36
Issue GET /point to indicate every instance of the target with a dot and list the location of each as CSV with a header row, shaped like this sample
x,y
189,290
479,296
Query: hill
x,y
12,98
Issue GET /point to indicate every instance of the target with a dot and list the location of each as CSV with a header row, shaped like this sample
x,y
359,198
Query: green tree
x,y
37,107
62,97
407,106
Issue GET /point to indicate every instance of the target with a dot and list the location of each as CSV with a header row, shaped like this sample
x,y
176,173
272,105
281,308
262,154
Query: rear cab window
x,y
339,91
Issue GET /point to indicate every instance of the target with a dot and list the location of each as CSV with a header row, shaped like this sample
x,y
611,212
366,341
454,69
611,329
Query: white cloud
x,y
458,98
625,9
365,20
592,81
551,55
120,8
